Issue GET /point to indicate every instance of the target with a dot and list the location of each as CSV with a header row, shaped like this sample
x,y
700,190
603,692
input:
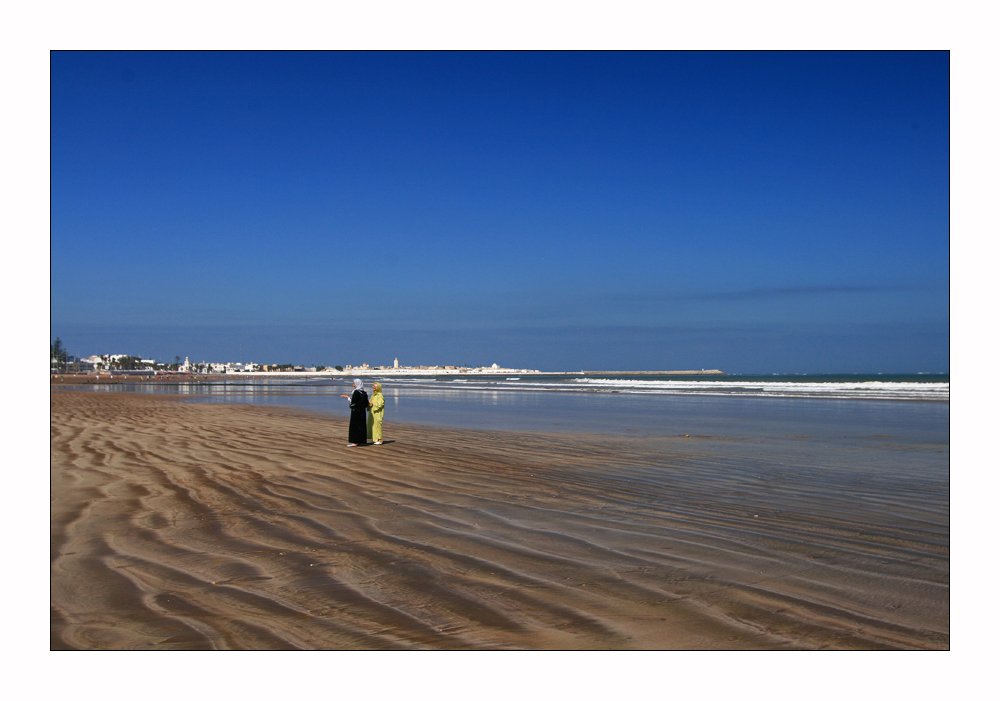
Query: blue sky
x,y
747,211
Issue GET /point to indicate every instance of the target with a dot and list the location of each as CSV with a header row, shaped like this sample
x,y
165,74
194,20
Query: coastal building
x,y
94,362
395,363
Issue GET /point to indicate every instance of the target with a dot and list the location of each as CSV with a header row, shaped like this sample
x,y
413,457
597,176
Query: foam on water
x,y
905,387
841,387
846,390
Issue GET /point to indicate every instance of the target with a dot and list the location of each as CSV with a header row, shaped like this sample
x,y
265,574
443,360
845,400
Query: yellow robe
x,y
375,412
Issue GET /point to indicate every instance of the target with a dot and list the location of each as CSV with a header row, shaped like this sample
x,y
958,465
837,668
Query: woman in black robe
x,y
357,433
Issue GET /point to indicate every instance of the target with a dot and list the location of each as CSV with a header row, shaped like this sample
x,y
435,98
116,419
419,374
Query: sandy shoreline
x,y
179,525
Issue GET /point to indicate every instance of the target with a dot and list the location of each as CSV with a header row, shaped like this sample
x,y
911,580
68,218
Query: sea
x,y
906,408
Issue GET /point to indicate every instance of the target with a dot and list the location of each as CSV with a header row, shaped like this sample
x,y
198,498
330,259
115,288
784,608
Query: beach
x,y
194,525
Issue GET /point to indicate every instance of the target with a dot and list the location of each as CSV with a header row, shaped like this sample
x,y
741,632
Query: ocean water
x,y
845,408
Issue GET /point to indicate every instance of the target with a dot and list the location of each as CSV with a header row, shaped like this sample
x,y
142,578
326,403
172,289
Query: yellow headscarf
x,y
377,387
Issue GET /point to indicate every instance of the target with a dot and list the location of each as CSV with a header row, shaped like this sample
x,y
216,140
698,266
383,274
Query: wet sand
x,y
189,526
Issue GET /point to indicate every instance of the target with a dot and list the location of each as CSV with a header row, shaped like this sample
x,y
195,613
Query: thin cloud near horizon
x,y
796,290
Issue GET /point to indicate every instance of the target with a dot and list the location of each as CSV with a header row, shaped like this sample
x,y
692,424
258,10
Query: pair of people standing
x,y
361,431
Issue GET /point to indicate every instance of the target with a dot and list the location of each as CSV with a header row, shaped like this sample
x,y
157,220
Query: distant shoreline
x,y
148,376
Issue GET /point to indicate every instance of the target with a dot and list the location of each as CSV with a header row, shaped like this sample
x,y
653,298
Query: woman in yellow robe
x,y
376,408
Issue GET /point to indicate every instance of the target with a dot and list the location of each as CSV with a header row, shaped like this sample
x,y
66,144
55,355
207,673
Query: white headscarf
x,y
358,384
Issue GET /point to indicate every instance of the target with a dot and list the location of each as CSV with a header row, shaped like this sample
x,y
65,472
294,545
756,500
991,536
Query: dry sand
x,y
182,525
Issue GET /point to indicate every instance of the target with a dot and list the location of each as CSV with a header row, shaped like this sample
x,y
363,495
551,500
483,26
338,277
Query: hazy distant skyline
x,y
752,212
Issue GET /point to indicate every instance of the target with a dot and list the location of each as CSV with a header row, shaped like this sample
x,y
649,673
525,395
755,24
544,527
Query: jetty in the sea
x,y
651,372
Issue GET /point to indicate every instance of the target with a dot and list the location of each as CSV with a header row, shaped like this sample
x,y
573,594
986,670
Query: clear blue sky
x,y
752,212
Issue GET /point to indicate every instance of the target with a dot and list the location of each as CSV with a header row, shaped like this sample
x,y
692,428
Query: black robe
x,y
358,431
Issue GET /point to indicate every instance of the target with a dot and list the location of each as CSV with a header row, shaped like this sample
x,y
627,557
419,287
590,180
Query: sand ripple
x,y
192,526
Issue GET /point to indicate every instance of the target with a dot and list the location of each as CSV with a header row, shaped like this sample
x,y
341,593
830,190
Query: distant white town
x,y
126,364
121,365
